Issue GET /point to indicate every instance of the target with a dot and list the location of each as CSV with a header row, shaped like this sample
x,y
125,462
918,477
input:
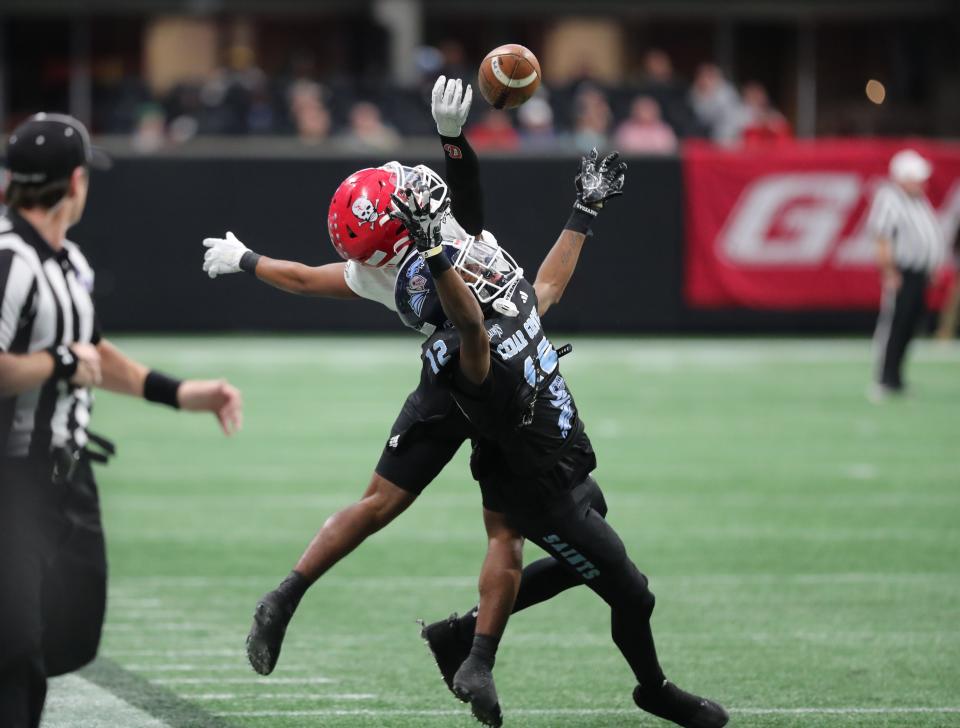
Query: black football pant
x,y
53,578
900,314
584,549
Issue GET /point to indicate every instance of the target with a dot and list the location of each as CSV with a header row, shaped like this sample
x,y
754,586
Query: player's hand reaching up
x,y
450,105
413,211
223,255
599,179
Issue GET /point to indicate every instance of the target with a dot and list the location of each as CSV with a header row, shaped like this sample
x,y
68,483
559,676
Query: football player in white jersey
x,y
429,429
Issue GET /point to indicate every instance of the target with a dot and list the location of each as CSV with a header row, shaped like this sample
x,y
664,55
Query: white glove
x,y
223,255
450,105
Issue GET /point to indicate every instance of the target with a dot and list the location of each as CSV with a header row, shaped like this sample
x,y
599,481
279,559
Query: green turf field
x,y
803,544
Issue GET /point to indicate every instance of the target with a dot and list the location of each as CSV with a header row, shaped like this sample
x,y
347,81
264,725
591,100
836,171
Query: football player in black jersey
x,y
429,429
532,457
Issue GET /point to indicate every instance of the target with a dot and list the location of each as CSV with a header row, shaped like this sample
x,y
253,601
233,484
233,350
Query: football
x,y
509,75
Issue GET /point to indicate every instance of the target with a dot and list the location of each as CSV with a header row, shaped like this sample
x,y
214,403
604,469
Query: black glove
x,y
596,183
414,213
423,226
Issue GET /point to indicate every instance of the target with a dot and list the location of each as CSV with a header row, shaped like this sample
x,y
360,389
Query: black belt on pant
x,y
61,463
66,460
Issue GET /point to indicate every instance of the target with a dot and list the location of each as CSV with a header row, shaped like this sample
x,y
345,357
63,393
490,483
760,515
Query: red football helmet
x,y
358,221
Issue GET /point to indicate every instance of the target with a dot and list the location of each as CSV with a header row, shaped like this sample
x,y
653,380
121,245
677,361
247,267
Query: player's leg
x,y
346,529
417,450
499,582
450,640
544,578
580,538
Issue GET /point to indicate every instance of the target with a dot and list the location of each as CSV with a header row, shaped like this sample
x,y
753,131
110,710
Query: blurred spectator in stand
x,y
310,116
368,132
185,112
494,131
263,116
536,124
716,104
150,134
761,122
592,119
118,95
645,131
659,82
227,94
453,63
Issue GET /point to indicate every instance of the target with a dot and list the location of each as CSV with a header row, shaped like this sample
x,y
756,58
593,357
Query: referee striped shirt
x,y
45,300
911,225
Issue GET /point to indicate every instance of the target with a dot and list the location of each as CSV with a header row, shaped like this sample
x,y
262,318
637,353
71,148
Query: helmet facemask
x,y
417,178
486,268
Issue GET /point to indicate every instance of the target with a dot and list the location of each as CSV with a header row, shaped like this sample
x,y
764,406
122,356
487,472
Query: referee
x,y
910,247
52,557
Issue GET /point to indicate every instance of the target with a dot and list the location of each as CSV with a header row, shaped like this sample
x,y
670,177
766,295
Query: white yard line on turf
x,y
128,584
373,712
190,652
242,680
73,702
240,664
636,353
300,697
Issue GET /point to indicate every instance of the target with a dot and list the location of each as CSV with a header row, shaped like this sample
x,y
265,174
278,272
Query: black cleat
x,y
671,703
448,647
266,635
473,684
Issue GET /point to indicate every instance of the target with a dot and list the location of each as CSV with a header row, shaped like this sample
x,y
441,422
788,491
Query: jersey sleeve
x,y
18,287
441,357
374,284
463,178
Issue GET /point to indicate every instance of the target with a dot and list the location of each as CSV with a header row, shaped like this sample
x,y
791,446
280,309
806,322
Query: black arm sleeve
x,y
463,178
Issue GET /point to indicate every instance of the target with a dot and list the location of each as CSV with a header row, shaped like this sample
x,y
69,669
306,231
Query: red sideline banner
x,y
783,227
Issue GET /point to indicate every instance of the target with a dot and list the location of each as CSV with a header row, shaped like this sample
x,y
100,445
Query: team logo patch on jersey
x,y
417,289
453,151
495,331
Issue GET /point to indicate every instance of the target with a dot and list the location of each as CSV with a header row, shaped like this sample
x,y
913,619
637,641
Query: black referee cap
x,y
48,147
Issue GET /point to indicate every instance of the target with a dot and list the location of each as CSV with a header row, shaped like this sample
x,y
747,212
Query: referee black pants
x,y
53,579
900,314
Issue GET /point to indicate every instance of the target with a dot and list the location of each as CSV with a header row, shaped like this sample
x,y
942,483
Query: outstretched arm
x,y
459,303
304,280
597,182
461,307
124,375
450,105
557,268
229,255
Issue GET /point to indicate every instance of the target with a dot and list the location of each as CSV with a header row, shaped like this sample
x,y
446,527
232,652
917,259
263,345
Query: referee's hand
x,y
88,366
216,396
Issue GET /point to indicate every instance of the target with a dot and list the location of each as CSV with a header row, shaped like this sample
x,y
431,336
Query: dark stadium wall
x,y
147,252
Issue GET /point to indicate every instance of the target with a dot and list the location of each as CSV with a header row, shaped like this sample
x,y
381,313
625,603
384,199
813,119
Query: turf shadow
x,y
152,699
